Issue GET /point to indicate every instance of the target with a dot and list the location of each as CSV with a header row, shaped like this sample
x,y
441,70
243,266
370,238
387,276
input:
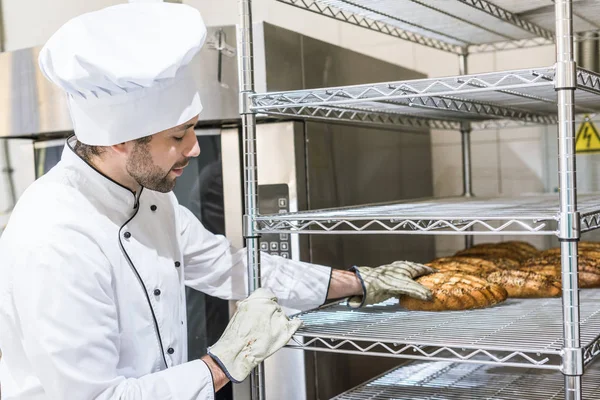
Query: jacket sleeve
x,y
215,267
64,299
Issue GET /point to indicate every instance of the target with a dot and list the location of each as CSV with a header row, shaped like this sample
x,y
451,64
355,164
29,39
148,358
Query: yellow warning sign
x,y
587,139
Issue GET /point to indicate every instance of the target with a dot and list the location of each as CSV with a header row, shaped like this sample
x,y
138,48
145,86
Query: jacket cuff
x,y
191,380
358,301
328,286
212,378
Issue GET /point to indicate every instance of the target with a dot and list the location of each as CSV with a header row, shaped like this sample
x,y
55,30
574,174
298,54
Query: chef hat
x,y
124,69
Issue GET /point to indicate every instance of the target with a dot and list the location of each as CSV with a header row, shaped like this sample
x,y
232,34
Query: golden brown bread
x,y
585,251
589,268
513,250
523,246
548,270
523,249
593,254
550,252
526,283
454,291
501,263
590,245
520,246
468,265
464,269
586,279
473,265
493,252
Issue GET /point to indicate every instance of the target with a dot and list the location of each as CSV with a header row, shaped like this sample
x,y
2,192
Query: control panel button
x,y
264,246
274,253
284,246
274,246
283,236
285,254
282,202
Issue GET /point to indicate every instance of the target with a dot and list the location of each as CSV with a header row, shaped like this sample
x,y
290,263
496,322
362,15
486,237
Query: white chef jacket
x,y
92,299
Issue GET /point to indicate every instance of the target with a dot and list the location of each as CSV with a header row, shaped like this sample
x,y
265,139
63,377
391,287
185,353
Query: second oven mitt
x,y
258,329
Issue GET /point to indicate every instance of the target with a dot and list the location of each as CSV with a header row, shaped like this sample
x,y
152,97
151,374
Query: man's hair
x,y
87,152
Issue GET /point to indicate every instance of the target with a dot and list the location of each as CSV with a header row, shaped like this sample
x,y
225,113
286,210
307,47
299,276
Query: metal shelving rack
x,y
509,335
454,381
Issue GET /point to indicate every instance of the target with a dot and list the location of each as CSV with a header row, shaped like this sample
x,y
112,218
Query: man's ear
x,y
122,148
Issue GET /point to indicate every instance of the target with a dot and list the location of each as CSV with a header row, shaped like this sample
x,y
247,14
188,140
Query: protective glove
x,y
391,280
258,329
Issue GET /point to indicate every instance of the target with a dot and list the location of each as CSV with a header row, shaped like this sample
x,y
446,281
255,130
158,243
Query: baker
x,y
97,253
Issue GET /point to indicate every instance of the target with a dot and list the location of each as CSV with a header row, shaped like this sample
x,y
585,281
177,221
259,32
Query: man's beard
x,y
141,168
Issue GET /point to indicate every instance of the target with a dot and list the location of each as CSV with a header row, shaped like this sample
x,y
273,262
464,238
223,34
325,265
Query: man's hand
x,y
258,329
390,280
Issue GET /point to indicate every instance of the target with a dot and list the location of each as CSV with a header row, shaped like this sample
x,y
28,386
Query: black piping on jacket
x,y
135,271
160,342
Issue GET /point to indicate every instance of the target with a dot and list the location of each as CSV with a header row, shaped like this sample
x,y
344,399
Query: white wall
x,y
508,162
30,23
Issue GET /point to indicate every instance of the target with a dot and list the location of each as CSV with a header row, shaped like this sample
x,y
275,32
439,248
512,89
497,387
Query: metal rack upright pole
x,y
566,79
465,134
246,69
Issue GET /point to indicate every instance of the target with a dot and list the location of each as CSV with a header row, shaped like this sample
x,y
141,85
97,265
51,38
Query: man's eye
x,y
178,139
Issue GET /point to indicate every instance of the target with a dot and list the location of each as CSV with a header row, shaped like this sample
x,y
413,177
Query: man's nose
x,y
193,151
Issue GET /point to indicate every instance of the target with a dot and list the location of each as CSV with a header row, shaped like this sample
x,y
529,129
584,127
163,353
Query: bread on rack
x,y
582,246
548,270
499,262
523,246
492,252
519,283
467,265
589,245
588,268
512,250
590,252
453,291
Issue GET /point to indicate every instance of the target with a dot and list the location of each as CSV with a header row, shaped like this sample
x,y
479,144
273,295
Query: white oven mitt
x,y
258,329
391,280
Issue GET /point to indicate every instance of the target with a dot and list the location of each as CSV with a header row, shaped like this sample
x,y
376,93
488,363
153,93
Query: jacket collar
x,y
99,185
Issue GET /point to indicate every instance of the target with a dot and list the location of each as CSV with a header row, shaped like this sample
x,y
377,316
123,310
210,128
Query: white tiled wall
x,y
507,162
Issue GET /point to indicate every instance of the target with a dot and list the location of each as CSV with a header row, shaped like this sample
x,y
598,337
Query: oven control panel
x,y
274,199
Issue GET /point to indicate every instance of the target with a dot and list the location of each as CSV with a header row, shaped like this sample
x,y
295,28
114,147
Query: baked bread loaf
x,y
523,246
526,283
588,268
548,270
585,251
550,252
512,250
467,265
590,245
501,263
493,252
467,260
517,245
453,291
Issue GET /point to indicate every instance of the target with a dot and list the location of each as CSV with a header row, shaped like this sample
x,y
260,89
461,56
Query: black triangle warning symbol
x,y
587,139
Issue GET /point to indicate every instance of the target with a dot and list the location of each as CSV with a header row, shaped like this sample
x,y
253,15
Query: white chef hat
x,y
124,69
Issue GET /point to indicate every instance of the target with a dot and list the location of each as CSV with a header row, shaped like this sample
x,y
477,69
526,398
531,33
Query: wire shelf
x,y
527,96
527,215
456,25
518,332
454,381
